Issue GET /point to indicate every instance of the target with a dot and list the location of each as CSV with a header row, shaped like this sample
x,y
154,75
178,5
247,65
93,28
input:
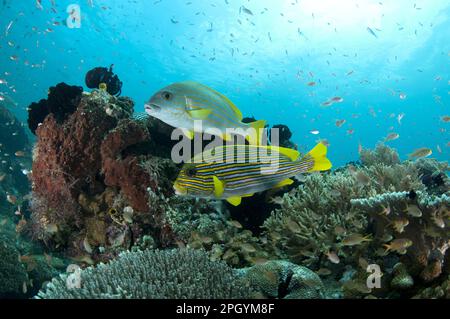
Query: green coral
x,y
402,279
282,279
153,274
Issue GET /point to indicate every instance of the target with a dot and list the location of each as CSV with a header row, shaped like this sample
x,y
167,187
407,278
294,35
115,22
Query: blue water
x,y
262,61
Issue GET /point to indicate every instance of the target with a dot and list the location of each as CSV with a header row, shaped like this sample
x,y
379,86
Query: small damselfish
x,y
235,171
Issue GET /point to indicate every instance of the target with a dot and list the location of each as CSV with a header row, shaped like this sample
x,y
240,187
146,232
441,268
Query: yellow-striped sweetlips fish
x,y
234,171
181,104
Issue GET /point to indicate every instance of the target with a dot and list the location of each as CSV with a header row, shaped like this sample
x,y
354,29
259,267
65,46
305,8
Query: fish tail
x,y
388,247
316,160
259,128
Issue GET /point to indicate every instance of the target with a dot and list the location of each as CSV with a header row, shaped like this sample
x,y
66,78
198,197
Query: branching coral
x,y
381,155
153,274
314,218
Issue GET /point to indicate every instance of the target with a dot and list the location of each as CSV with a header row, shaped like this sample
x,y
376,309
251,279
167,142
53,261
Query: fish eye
x,y
166,95
191,172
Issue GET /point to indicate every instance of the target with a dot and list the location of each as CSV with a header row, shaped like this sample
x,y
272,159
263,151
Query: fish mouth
x,y
152,107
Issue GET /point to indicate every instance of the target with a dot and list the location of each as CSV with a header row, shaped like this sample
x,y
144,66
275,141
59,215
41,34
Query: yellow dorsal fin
x,y
227,100
293,155
235,200
283,183
319,154
259,128
231,104
219,187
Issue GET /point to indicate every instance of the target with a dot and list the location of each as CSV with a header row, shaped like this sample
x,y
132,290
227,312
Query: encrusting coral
x,y
157,274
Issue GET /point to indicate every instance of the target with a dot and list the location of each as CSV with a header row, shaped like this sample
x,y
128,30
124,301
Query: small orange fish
x,y
20,153
391,137
339,123
337,99
399,245
333,257
400,224
445,119
11,199
355,239
421,152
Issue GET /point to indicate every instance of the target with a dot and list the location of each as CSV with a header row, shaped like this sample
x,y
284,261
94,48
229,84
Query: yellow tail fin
x,y
259,127
319,155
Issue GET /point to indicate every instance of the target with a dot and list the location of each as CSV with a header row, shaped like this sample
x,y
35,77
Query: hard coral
x,y
284,280
427,228
157,274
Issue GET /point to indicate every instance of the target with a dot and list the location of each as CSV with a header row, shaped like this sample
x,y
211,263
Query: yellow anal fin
x,y
283,183
248,195
219,187
200,114
234,200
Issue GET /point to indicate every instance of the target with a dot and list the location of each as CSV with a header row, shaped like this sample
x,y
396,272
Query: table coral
x,y
153,274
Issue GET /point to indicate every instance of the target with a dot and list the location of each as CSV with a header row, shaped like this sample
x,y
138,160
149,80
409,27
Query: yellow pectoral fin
x,y
286,182
200,114
235,200
219,187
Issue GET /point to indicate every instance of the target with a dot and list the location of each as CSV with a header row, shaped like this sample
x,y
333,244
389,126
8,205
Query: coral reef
x,y
102,185
153,274
99,182
383,212
417,226
62,101
284,280
13,277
